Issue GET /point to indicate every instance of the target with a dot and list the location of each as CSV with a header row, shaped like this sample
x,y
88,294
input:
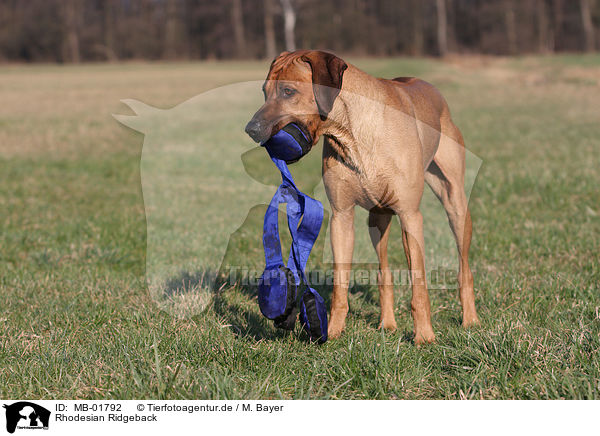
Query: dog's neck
x,y
352,124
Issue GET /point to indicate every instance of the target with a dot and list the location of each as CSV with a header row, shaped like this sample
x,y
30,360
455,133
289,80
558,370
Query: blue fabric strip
x,y
304,216
304,219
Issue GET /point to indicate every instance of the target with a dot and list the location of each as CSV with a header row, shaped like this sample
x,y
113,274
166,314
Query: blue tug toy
x,y
284,290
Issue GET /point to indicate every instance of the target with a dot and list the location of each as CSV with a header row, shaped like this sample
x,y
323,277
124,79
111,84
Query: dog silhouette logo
x,y
26,415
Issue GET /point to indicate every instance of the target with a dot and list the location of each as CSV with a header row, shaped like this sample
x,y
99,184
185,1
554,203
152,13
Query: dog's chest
x,y
365,185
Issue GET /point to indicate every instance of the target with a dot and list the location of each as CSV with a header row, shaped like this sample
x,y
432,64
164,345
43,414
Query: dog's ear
x,y
327,74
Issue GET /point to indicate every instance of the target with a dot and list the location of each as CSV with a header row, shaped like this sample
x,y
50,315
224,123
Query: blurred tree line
x,y
110,30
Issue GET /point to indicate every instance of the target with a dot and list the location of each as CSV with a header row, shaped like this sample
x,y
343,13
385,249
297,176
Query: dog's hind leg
x,y
379,230
445,176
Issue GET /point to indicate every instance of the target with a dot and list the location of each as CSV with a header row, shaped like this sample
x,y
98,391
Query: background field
x,y
77,320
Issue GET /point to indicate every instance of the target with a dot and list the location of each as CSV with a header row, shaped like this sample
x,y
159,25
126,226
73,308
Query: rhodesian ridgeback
x,y
383,139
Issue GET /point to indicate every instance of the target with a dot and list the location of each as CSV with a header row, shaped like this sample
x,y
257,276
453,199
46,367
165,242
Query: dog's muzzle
x,y
254,129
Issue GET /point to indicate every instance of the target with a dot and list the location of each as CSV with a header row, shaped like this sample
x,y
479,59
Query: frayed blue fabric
x,y
284,291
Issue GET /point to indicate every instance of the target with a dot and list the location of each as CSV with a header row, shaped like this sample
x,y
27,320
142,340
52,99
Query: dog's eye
x,y
288,92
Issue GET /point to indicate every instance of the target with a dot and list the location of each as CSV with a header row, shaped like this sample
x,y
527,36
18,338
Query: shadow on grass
x,y
235,297
235,304
242,314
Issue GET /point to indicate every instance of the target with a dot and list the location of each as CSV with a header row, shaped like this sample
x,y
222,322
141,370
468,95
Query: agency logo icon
x,y
26,415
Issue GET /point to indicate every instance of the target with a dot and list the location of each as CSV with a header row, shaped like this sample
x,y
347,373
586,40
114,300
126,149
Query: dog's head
x,y
301,88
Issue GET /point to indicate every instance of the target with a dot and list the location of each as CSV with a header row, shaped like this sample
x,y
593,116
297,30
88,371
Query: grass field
x,y
77,320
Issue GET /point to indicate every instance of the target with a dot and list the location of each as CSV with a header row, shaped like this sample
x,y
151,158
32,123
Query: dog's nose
x,y
254,128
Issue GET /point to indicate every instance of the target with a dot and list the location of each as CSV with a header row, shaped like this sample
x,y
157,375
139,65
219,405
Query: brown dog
x,y
383,140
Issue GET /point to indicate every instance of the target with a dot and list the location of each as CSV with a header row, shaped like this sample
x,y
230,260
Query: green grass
x,y
77,319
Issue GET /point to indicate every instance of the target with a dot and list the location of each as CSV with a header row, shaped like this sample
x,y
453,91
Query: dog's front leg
x,y
342,244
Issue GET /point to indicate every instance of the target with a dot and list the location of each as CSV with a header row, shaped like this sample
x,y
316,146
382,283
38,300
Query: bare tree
x,y
442,27
237,20
417,23
588,26
557,12
544,44
72,19
171,30
269,29
289,24
109,32
511,26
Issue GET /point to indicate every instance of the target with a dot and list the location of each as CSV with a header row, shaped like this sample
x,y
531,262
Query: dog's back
x,y
428,102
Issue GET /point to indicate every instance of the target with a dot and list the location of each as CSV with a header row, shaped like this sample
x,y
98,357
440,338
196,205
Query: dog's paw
x,y
424,337
470,320
388,324
335,330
